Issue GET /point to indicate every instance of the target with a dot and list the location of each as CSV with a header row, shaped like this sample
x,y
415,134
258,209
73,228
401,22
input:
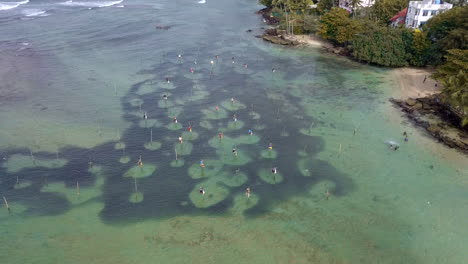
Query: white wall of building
x,y
346,4
419,12
367,3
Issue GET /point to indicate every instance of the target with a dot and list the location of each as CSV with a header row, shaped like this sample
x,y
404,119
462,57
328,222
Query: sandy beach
x,y
412,84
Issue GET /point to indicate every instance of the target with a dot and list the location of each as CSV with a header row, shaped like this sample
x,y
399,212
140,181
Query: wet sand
x,y
411,83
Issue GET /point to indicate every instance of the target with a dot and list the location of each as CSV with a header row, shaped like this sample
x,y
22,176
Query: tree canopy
x,y
380,45
338,27
287,4
453,74
383,10
448,30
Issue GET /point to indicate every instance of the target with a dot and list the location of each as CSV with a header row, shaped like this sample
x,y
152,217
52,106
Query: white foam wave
x,y
11,5
391,143
91,4
34,12
202,1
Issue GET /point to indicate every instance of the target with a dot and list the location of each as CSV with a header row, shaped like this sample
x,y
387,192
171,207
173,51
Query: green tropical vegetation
x,y
383,10
339,27
453,75
368,37
447,31
380,45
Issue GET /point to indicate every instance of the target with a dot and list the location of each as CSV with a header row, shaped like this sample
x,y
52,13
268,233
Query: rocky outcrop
x,y
279,40
338,50
436,119
274,36
267,17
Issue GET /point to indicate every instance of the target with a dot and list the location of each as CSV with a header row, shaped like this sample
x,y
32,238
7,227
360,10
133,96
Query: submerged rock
x,y
140,172
214,193
163,27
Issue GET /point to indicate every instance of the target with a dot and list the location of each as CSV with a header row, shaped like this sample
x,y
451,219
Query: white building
x,y
421,11
346,4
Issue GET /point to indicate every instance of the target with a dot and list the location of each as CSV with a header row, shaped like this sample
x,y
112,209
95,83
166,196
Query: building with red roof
x,y
399,19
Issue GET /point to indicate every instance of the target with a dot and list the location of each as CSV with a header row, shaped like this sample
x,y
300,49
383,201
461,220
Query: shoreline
x,y
311,40
415,93
412,84
415,97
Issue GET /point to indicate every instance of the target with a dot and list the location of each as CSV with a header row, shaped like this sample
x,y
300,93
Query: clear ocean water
x,y
77,78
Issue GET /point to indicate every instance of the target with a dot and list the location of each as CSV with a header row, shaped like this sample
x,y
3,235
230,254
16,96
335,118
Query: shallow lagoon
x,y
97,81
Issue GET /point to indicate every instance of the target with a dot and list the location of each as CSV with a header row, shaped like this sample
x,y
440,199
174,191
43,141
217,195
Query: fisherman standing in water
x,y
232,100
181,140
174,120
234,117
406,136
270,146
202,190
234,152
250,132
167,80
220,135
140,163
274,170
165,97
217,108
189,128
233,60
247,192
202,164
145,116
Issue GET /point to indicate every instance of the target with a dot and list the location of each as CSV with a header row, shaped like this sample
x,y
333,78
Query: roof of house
x,y
401,14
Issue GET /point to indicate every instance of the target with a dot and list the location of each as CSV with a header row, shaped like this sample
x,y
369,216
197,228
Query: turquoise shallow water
x,y
77,83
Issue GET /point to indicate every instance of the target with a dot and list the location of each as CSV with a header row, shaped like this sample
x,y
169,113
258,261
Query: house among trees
x,y
419,12
399,19
351,4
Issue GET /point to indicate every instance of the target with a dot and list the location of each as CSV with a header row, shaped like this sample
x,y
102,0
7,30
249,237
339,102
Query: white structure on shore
x,y
421,11
346,4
